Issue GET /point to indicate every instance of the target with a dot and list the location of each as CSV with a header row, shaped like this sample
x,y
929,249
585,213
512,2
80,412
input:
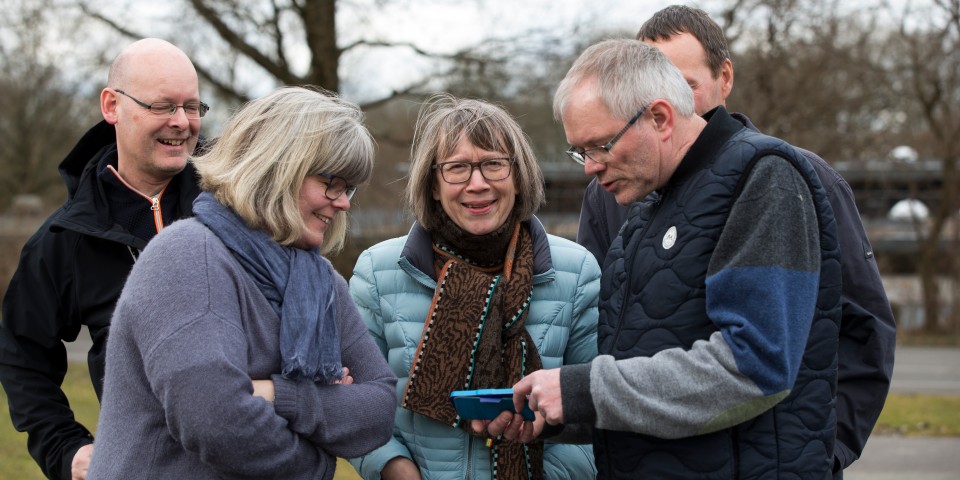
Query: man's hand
x,y
81,462
542,392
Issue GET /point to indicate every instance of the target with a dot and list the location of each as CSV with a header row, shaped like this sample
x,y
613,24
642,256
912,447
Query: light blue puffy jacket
x,y
393,284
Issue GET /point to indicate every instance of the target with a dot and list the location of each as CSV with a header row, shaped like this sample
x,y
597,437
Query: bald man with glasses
x,y
127,178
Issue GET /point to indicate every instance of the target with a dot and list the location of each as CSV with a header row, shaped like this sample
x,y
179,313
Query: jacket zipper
x,y
629,268
736,453
469,457
623,305
154,200
157,214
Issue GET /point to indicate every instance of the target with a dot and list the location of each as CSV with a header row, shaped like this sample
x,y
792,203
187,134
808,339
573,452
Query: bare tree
x,y
41,112
808,72
852,85
926,57
237,44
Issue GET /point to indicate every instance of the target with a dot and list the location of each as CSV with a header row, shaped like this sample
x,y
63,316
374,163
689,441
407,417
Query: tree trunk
x,y
319,22
928,272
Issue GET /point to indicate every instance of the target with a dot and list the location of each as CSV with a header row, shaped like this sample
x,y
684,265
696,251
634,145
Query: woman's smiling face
x,y
317,210
478,206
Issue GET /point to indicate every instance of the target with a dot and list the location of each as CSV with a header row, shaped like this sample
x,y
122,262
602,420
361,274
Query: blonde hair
x,y
442,121
258,165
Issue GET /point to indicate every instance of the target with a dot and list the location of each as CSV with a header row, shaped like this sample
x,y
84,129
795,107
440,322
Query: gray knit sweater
x,y
190,332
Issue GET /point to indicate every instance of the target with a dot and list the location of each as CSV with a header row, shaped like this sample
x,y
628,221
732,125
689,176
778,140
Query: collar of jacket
x,y
720,127
89,147
418,250
85,210
743,119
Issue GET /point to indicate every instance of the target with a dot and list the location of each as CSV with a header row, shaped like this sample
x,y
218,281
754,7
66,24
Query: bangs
x,y
351,159
479,127
487,135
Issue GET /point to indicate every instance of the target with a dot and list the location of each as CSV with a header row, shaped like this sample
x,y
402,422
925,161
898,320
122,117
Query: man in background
x,y
697,46
127,178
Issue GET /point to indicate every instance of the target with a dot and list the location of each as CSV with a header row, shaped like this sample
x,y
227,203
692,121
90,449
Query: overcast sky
x,y
447,26
434,25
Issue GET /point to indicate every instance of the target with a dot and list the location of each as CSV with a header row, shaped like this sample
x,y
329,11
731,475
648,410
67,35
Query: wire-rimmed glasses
x,y
601,154
191,109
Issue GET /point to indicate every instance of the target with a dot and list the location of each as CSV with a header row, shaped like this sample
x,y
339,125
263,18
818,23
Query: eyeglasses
x,y
337,186
192,109
602,153
460,172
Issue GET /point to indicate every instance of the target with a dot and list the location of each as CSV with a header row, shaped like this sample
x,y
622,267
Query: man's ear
x,y
109,100
663,118
726,78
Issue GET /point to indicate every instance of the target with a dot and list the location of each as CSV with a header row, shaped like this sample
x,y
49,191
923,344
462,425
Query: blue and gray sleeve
x,y
761,290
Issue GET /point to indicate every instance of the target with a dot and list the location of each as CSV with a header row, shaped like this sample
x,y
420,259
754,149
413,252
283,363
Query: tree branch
x,y
211,16
110,23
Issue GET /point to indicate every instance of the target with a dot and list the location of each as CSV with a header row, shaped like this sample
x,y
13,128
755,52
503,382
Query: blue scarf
x,y
297,284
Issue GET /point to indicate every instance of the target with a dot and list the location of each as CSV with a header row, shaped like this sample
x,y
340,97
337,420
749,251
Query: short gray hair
x,y
629,75
258,165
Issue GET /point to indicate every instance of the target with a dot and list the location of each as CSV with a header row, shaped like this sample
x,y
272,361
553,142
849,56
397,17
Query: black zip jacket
x,y
70,274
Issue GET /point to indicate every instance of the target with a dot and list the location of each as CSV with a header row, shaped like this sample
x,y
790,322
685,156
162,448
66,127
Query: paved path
x,y
77,350
916,370
914,458
934,370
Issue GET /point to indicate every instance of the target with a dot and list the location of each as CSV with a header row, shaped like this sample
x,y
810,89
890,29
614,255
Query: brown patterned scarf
x,y
474,337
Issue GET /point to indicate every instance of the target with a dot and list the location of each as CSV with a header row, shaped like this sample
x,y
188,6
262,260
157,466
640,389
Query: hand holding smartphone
x,y
486,404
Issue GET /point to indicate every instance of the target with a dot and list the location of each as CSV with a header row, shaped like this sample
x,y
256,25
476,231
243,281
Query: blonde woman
x,y
233,336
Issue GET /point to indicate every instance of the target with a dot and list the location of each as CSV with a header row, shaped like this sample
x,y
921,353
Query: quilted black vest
x,y
653,298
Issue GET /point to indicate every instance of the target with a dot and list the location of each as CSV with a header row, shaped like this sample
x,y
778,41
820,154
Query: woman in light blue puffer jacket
x,y
511,299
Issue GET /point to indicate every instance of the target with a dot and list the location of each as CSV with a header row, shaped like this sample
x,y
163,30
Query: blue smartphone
x,y
486,404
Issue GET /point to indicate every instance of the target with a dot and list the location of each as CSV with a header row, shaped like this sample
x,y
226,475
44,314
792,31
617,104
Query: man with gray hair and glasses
x,y
127,178
719,300
697,46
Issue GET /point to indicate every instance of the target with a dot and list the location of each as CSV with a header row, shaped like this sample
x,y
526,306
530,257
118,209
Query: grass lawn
x,y
16,463
929,415
920,415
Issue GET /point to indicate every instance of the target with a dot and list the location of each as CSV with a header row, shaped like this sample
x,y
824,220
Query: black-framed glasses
x,y
594,153
491,169
337,186
192,109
